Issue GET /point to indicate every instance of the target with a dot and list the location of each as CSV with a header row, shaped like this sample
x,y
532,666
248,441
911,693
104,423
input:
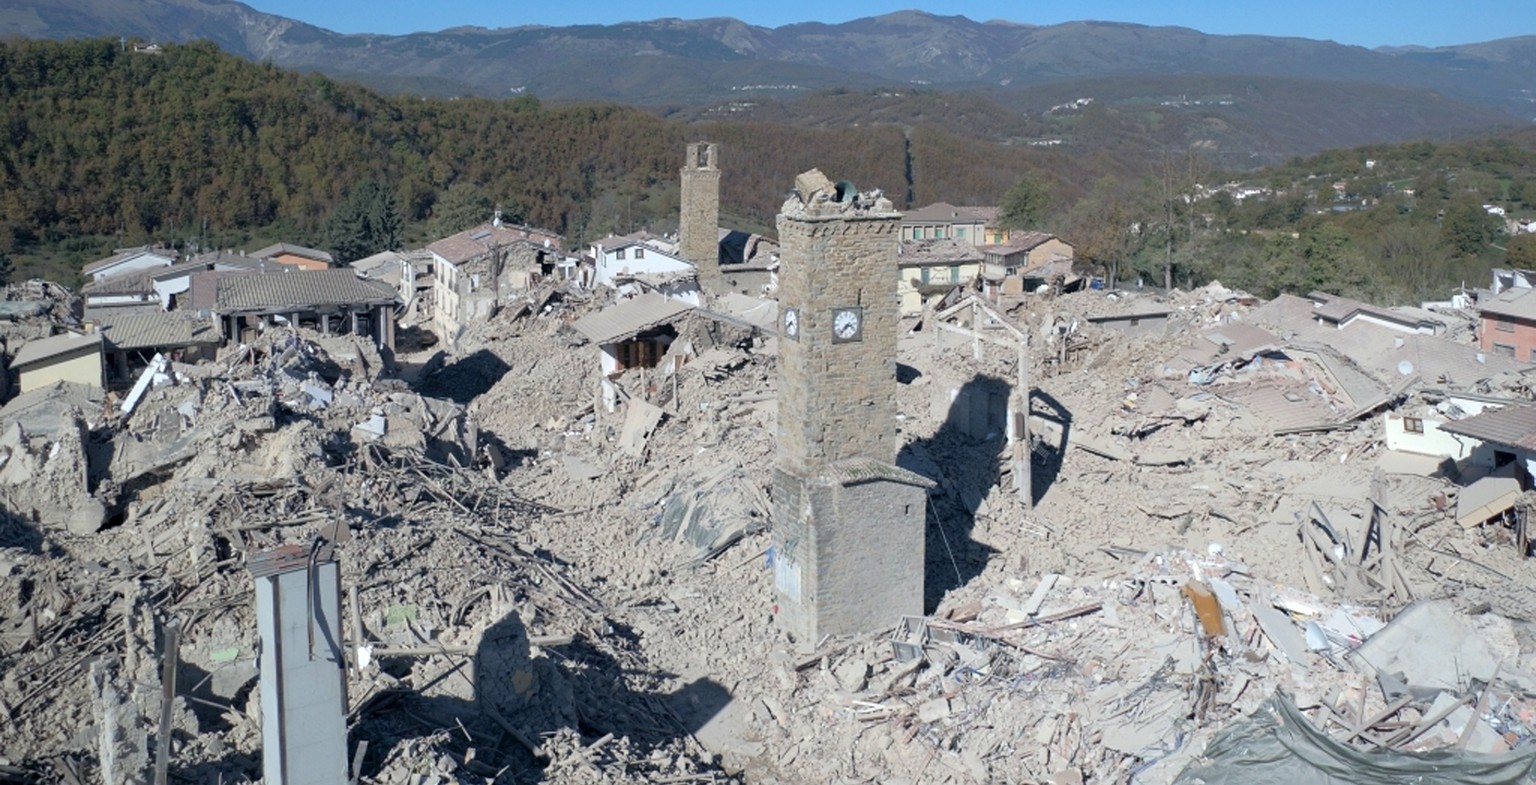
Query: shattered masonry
x,y
1245,513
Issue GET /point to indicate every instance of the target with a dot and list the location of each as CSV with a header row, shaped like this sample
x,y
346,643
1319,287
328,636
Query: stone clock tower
x,y
848,523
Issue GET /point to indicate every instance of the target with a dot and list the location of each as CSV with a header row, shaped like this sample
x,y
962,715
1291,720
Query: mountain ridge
x,y
901,47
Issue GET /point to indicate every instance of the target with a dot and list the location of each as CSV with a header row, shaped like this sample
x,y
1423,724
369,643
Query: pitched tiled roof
x,y
1381,350
1280,404
470,243
1516,303
1333,308
58,345
46,410
277,249
227,259
1031,240
919,253
1513,426
1021,243
944,212
630,318
298,290
1286,313
124,254
1356,385
143,282
204,290
132,283
156,330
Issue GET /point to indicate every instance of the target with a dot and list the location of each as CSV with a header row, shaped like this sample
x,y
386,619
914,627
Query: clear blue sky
x,y
1361,22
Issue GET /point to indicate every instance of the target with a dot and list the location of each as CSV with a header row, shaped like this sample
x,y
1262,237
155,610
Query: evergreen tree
x,y
365,223
460,207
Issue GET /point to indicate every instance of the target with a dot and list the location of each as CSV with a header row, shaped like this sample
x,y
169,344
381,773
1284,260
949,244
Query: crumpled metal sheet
x,y
1278,744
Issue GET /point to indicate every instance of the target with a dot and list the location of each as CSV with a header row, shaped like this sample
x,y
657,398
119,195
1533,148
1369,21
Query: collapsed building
x,y
1093,537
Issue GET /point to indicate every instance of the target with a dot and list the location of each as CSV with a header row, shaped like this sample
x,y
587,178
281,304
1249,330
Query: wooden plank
x,y
1043,589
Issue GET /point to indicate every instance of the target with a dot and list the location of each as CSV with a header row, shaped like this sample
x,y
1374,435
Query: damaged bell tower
x,y
848,523
698,223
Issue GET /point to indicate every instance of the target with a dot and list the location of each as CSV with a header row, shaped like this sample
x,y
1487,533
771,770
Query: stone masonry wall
x,y
698,227
838,401
870,561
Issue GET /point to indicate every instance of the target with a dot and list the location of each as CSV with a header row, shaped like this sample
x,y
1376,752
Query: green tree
x,y
460,207
1026,203
1467,227
365,223
1522,191
1521,252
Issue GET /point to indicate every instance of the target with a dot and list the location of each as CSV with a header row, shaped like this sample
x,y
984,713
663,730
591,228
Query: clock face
x,y
847,324
791,322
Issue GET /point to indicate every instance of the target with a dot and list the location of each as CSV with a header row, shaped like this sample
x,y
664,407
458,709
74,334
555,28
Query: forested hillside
x,y
1390,223
106,148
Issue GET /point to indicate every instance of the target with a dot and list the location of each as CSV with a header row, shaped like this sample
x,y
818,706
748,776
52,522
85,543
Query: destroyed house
x,y
130,260
928,267
407,271
749,262
1510,431
471,267
330,301
631,266
1507,324
633,334
295,256
70,357
133,339
1340,312
164,288
1029,260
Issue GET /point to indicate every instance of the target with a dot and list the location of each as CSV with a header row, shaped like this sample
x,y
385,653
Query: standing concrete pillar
x,y
303,669
386,322
353,316
325,324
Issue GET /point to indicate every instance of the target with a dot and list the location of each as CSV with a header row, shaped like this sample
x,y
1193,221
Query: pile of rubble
x,y
474,654
541,587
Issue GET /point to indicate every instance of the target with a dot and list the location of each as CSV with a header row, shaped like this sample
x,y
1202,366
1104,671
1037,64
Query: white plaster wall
x,y
132,265
1434,441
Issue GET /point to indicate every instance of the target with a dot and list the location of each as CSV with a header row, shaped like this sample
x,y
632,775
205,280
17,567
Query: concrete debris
x,y
553,573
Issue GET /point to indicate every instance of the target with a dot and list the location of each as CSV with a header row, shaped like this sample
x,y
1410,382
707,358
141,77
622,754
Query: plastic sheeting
x,y
1277,744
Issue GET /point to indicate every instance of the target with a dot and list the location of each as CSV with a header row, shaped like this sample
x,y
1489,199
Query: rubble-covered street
x,y
538,589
